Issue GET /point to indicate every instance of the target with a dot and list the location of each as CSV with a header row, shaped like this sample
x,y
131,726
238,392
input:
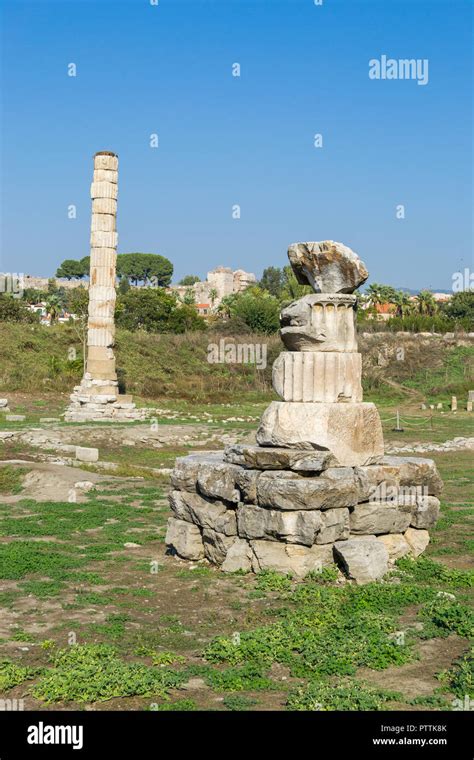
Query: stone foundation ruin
x,y
317,489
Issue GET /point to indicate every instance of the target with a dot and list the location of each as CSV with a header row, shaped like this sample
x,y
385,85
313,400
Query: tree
x,y
71,269
15,310
124,285
189,279
403,303
273,280
460,306
154,310
189,297
291,289
145,268
77,303
213,295
426,304
259,310
53,307
381,294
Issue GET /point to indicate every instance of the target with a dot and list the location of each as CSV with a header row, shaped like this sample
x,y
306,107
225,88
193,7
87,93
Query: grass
x,y
11,479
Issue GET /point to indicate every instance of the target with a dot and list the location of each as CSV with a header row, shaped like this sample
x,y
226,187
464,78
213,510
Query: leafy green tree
x,y
403,303
189,297
71,269
77,303
15,310
381,294
154,310
189,279
255,307
291,289
145,268
53,307
460,306
213,295
124,285
425,303
273,279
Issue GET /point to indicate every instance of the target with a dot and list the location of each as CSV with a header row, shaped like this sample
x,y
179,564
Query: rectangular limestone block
x,y
203,512
86,454
103,223
351,432
272,458
104,206
318,376
216,480
102,368
104,239
185,539
105,161
105,175
414,471
100,352
335,488
104,257
104,190
290,559
375,517
299,527
102,292
102,276
185,471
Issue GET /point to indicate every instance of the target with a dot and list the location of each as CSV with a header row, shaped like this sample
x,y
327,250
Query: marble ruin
x,y
317,489
97,397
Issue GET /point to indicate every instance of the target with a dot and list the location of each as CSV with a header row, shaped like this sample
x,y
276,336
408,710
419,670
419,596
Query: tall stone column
x,y
97,397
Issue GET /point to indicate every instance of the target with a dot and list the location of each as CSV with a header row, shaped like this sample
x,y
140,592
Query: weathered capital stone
x,y
351,432
320,322
327,266
318,376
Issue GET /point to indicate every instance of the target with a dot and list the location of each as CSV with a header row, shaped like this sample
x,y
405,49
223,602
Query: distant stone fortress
x,y
220,282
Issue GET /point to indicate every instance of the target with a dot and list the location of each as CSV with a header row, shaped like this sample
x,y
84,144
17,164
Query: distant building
x,y
221,282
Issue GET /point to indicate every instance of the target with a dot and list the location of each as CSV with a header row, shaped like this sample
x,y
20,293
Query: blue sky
x,y
248,140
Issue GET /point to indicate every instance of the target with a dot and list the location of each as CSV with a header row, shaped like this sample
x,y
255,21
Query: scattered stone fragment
x,y
86,454
84,485
15,417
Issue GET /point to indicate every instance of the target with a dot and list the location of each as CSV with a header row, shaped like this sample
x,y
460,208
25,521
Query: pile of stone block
x,y
258,508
